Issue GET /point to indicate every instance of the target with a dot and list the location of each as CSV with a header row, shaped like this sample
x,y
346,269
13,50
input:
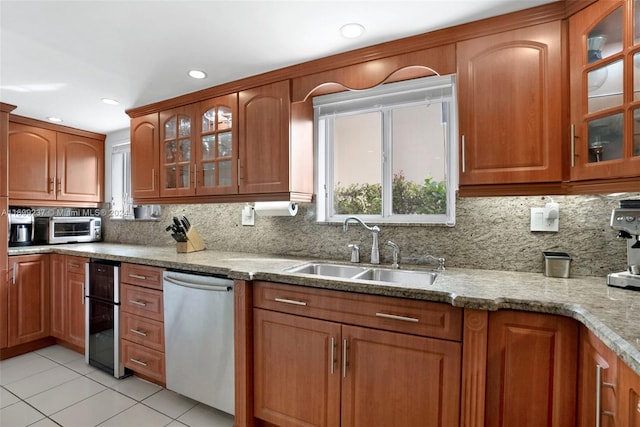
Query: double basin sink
x,y
403,277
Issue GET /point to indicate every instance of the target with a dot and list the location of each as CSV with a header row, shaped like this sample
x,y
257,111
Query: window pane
x,y
170,128
605,138
209,174
419,160
636,22
209,121
184,176
224,118
170,152
357,161
636,76
224,171
224,144
185,150
605,87
184,128
208,147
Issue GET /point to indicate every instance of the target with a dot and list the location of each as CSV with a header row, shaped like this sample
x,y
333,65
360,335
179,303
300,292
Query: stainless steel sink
x,y
333,270
404,277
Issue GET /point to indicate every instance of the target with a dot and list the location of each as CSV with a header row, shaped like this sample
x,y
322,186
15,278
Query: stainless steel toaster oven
x,y
72,229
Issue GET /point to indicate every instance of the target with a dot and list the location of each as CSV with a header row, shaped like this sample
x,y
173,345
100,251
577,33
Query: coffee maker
x,y
626,220
21,228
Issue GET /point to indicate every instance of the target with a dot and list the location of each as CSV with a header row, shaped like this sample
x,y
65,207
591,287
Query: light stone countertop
x,y
612,314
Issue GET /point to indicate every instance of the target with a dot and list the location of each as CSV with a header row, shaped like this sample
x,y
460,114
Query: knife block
x,y
194,244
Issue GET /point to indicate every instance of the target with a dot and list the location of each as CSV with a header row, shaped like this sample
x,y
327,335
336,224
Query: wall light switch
x,y
540,223
248,215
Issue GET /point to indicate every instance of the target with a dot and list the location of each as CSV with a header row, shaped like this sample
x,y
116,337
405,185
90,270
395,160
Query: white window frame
x,y
384,98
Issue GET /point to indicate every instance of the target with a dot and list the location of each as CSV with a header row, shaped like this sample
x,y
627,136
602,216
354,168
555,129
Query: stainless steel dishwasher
x,y
198,328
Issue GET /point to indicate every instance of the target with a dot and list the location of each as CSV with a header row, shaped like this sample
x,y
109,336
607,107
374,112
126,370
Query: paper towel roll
x,y
276,208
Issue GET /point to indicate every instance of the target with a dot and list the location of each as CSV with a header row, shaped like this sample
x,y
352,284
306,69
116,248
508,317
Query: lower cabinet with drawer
x,y
141,326
331,358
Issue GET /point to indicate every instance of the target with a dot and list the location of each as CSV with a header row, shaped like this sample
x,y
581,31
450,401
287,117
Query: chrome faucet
x,y
396,253
375,255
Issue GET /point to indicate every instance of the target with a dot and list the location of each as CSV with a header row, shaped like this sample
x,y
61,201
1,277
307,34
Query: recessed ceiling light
x,y
54,119
110,101
197,74
352,30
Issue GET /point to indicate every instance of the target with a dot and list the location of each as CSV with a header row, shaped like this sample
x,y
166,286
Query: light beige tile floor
x,y
55,387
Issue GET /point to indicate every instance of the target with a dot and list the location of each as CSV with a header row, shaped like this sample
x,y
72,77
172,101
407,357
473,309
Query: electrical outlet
x,y
539,223
248,215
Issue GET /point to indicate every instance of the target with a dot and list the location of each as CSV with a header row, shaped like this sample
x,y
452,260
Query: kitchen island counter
x,y
612,314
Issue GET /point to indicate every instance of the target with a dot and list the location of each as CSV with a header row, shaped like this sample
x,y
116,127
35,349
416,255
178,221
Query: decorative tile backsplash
x,y
490,233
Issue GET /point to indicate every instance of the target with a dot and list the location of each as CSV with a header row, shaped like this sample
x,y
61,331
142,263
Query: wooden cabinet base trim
x,y
6,353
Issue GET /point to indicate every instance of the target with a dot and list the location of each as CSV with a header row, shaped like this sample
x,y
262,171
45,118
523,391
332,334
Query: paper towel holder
x,y
282,208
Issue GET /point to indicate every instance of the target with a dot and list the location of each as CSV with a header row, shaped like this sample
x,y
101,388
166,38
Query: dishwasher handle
x,y
212,287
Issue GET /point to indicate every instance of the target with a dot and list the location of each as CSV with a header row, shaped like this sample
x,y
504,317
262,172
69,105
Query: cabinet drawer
x,y
76,264
142,275
393,314
143,331
142,301
143,360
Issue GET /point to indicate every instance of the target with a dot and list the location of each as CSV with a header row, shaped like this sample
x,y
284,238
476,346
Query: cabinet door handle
x,y
140,303
73,265
153,179
599,385
345,350
464,156
290,301
239,174
52,184
138,332
14,273
137,276
396,317
573,145
139,362
84,295
195,175
59,185
332,355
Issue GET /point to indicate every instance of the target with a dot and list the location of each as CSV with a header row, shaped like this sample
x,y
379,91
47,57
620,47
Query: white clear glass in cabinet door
x,y
209,174
358,136
636,132
606,138
225,145
170,177
605,39
209,121
605,87
636,22
208,147
636,76
184,176
225,117
419,160
224,172
170,152
170,128
184,126
184,153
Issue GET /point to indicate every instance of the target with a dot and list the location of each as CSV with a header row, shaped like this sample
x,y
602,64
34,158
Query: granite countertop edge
x,y
611,314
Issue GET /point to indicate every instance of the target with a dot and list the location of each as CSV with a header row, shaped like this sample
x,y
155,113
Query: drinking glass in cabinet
x,y
209,174
224,172
170,152
209,121
224,144
170,128
170,180
208,147
224,118
605,138
185,150
184,176
184,128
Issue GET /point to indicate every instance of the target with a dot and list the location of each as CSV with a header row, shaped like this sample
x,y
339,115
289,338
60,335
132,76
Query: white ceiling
x,y
59,58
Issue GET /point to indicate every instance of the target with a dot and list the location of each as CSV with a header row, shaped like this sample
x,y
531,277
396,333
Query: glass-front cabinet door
x,y
217,146
605,90
176,152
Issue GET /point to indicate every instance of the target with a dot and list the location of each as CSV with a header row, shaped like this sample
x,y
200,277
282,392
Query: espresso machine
x,y
626,220
21,228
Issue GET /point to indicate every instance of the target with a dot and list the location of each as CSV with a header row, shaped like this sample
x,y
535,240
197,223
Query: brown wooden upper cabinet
x,y
605,91
145,156
255,144
46,166
509,90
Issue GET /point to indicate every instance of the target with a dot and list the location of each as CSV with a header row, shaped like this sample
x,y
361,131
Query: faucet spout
x,y
375,254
